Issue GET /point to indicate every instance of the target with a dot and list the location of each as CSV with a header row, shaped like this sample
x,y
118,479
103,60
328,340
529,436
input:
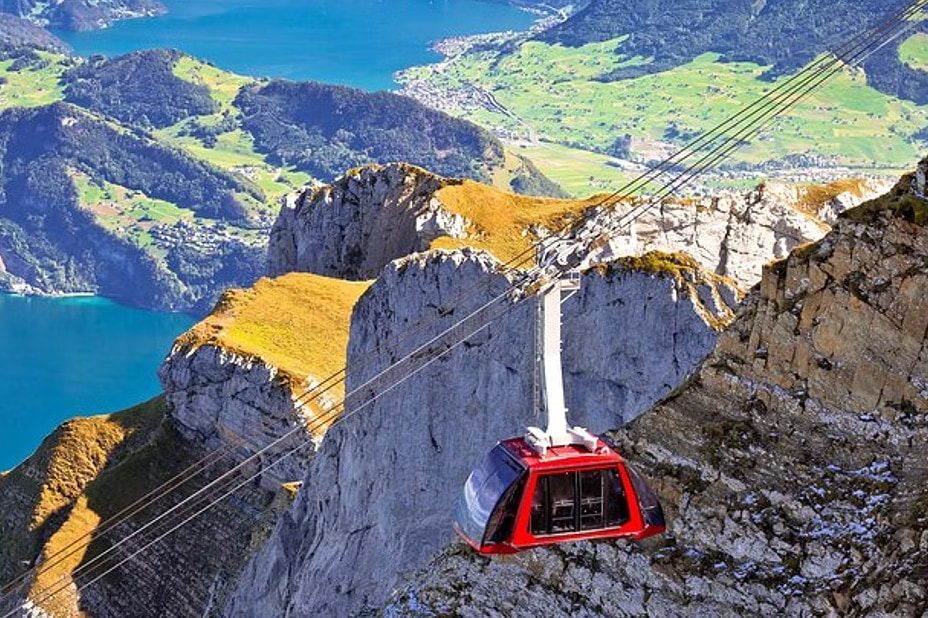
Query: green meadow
x,y
552,97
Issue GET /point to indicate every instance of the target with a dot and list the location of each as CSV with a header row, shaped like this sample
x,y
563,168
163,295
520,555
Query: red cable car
x,y
563,484
516,499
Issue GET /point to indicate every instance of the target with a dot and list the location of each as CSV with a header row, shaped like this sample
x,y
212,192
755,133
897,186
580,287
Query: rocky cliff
x,y
791,466
353,227
243,377
234,385
378,497
356,225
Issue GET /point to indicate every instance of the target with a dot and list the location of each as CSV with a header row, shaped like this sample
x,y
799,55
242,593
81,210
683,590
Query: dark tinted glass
x,y
563,502
651,510
591,500
483,491
616,500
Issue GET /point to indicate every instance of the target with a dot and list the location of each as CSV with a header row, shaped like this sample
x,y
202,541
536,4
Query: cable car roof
x,y
560,457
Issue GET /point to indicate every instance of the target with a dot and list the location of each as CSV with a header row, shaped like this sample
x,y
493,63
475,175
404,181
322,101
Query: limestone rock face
x,y
791,468
221,400
379,496
732,234
353,227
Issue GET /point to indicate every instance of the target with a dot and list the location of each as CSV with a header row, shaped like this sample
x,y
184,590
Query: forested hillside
x,y
782,34
620,85
80,14
154,177
16,33
53,233
325,129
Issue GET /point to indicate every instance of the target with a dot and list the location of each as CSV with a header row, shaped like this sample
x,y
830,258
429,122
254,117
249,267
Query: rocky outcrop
x,y
243,379
355,226
378,497
733,234
225,401
791,467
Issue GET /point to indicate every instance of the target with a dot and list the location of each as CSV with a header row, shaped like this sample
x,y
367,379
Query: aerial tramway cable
x,y
750,120
884,43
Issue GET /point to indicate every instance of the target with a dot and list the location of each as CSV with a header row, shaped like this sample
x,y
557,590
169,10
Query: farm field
x,y
549,100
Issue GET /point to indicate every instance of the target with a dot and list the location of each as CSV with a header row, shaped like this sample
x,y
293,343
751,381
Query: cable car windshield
x,y
484,489
651,510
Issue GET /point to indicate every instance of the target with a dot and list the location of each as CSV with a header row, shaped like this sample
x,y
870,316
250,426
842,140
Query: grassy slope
x,y
500,221
38,497
234,150
298,323
553,91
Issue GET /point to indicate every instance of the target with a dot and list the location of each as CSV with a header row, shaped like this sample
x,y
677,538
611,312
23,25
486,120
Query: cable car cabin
x,y
517,499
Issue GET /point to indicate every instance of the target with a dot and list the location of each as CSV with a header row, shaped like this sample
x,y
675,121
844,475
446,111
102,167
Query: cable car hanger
x,y
555,485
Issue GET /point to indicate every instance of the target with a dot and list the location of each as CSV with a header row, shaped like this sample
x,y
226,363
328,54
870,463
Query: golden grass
x,y
813,197
55,477
62,554
501,222
298,323
80,448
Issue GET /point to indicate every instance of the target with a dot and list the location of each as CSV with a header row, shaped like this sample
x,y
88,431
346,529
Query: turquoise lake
x,y
61,358
358,43
64,357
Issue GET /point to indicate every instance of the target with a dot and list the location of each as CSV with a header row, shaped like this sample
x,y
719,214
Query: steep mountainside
x,y
355,226
16,32
378,497
53,156
325,129
80,14
791,466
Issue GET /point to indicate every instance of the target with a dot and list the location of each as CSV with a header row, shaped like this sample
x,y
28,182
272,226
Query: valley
x,y
366,267
590,133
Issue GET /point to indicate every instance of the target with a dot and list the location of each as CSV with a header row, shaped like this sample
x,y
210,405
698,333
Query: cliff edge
x,y
791,466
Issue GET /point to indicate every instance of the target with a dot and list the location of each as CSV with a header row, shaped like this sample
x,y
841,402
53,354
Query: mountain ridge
x,y
789,465
189,245
231,398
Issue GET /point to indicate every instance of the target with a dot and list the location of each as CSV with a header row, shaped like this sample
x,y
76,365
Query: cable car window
x,y
616,500
484,489
539,520
499,528
573,501
563,498
592,499
650,507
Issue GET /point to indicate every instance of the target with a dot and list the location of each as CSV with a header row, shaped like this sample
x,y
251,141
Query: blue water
x,y
61,358
359,43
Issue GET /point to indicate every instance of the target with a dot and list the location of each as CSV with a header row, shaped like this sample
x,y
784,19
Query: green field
x,y
34,84
551,95
914,51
